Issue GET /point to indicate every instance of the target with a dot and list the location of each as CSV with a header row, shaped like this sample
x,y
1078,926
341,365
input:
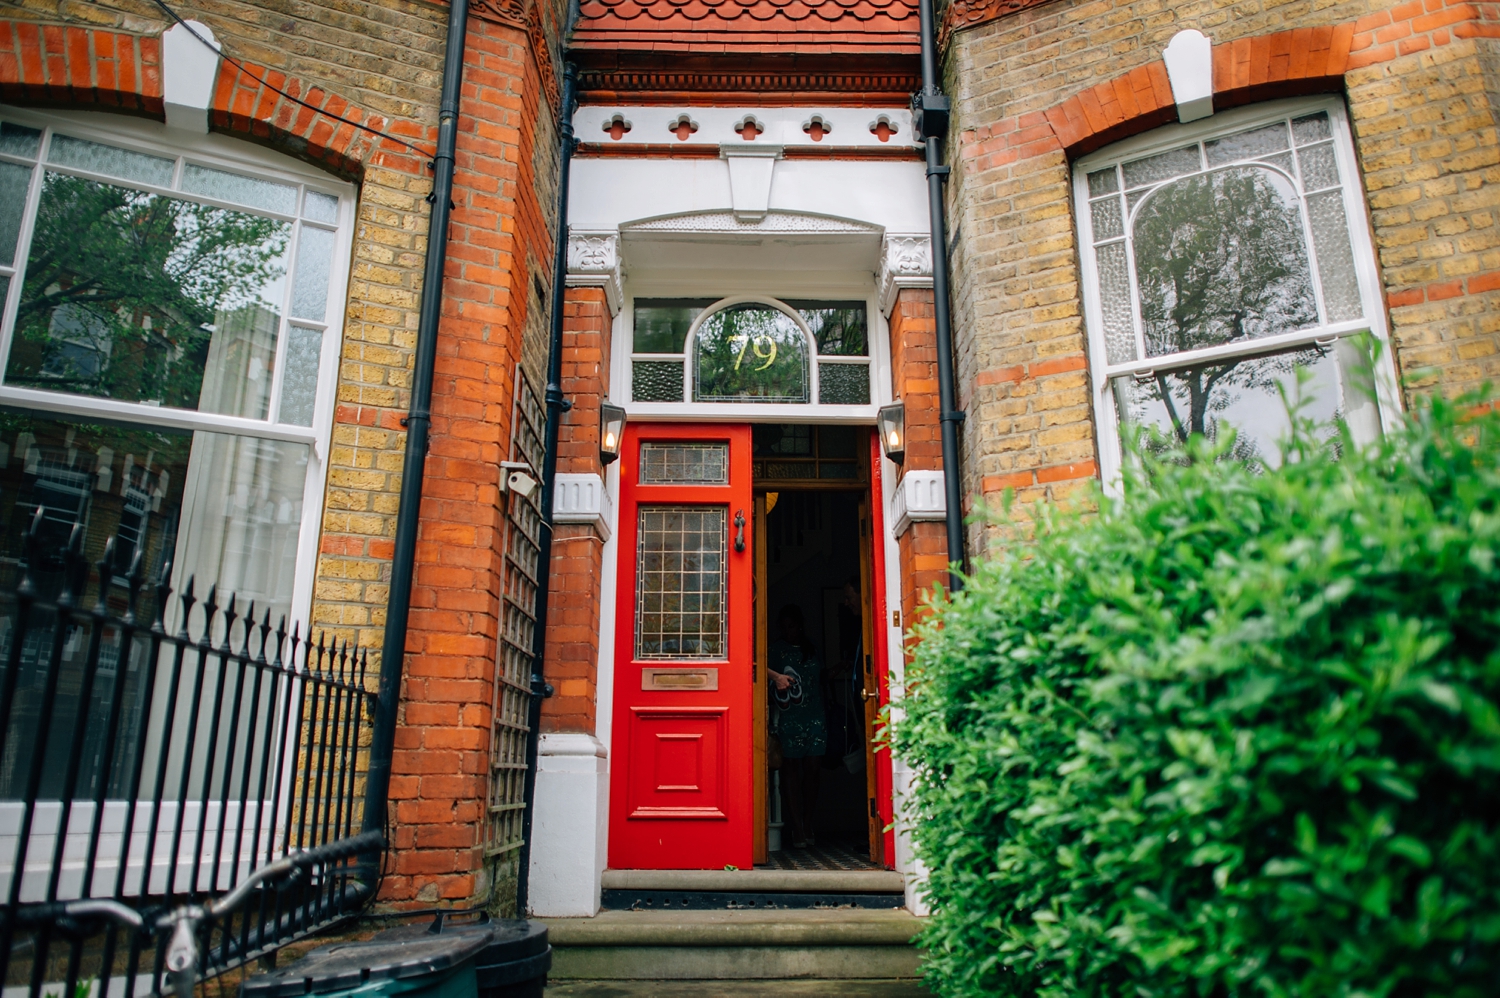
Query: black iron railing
x,y
155,747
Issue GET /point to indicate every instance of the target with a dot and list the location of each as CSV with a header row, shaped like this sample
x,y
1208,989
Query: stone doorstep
x,y
758,881
832,944
816,927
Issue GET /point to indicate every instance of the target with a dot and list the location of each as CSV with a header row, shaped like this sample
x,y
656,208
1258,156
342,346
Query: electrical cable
x,y
296,100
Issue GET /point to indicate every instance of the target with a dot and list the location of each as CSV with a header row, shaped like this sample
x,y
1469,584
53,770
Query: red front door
x,y
681,779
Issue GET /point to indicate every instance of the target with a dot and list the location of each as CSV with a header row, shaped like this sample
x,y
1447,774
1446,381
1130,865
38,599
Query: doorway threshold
x,y
689,890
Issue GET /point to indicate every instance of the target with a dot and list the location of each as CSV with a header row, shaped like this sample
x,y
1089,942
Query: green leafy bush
x,y
1235,735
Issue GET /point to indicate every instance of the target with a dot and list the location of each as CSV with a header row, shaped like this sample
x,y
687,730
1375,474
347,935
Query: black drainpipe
x,y
930,111
556,406
418,421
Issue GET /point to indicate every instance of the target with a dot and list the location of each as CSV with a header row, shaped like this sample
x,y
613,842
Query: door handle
x,y
867,695
739,530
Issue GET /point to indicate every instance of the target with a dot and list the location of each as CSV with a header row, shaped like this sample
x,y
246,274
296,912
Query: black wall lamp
x,y
890,421
611,430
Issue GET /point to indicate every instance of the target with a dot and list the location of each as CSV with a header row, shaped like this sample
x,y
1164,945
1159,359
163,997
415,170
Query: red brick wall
x,y
441,766
575,599
923,548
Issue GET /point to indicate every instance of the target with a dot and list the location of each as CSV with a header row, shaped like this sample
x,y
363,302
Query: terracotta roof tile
x,y
762,26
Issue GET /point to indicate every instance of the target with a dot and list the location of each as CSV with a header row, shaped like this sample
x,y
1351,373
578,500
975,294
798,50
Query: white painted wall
x,y
607,192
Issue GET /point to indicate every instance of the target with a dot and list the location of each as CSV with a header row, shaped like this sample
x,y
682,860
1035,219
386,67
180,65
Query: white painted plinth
x,y
569,826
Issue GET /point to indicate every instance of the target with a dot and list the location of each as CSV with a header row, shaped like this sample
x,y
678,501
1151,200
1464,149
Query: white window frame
x,y
1387,394
235,156
739,290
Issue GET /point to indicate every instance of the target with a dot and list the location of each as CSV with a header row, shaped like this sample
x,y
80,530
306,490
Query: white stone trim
x,y
594,261
655,125
582,498
773,221
751,168
189,70
920,495
568,850
1190,67
905,262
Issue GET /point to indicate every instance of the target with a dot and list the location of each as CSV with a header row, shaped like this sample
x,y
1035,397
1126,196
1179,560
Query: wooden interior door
x,y
871,676
760,776
682,783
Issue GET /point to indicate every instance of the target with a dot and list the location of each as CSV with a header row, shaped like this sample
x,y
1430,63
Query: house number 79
x,y
765,349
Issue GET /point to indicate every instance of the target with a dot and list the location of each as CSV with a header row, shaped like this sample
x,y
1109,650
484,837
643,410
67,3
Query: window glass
x,y
223,508
126,294
299,385
241,190
750,352
656,380
1221,257
838,327
14,181
661,324
1245,394
1217,245
684,464
321,207
18,140
680,582
110,160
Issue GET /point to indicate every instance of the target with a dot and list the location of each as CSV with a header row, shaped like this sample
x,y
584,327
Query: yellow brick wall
x,y
1420,80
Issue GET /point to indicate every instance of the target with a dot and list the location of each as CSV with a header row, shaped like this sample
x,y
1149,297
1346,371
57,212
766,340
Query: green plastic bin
x,y
422,966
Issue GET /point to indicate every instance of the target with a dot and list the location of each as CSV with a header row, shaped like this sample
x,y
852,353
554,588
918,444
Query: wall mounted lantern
x,y
611,430
890,421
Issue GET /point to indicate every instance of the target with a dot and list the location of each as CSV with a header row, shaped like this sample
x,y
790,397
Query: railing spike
x,y
281,644
229,618
265,634
71,589
249,627
133,582
188,599
163,593
32,545
106,567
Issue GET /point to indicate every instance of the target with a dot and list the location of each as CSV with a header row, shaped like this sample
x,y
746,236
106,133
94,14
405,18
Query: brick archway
x,y
100,70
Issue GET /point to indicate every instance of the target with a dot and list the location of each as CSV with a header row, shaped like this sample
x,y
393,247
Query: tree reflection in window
x,y
1221,257
750,352
1242,393
125,291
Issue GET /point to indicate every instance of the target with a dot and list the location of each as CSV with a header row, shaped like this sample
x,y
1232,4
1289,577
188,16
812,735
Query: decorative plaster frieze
x,y
839,128
920,495
594,261
1190,68
582,498
905,262
773,221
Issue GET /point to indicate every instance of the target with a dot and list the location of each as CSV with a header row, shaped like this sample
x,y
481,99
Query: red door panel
x,y
681,777
678,766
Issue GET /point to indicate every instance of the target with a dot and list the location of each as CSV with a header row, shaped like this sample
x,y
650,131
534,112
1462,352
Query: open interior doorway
x,y
813,621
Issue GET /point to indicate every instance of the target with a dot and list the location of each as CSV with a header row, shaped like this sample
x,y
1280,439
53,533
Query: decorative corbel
x,y
905,262
594,261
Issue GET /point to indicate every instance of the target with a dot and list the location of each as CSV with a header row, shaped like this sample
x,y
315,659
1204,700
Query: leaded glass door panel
x,y
681,779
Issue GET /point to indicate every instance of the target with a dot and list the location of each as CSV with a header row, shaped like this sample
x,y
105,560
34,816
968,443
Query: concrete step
x,y
738,989
843,944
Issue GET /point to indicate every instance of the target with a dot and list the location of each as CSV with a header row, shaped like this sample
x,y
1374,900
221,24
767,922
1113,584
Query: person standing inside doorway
x,y
796,681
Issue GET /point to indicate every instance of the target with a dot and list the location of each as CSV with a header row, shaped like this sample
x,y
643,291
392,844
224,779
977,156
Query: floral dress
x,y
800,726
